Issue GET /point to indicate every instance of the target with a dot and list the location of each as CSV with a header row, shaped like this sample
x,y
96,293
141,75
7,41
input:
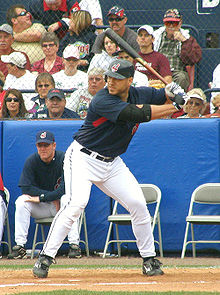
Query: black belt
x,y
101,158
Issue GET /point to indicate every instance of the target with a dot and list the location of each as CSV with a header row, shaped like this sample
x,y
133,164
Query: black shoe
x,y
74,251
18,252
151,267
42,265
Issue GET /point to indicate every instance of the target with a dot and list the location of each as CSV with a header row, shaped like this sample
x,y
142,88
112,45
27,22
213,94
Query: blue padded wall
x,y
176,155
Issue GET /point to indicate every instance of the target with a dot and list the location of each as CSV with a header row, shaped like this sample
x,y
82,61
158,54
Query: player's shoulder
x,y
59,154
32,159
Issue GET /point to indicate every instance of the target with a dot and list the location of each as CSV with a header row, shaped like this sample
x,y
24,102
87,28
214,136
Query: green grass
x,y
83,292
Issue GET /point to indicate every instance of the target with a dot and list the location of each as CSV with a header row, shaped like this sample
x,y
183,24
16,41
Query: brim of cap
x,y
196,96
76,58
171,19
60,98
10,33
114,75
44,141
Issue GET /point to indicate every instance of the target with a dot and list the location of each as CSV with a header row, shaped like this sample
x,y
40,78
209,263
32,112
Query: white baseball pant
x,y
25,210
115,180
3,211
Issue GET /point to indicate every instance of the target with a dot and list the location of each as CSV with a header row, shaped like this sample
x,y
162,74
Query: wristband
x,y
42,198
178,107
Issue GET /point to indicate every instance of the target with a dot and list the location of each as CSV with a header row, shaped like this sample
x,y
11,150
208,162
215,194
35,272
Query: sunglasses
x,y
116,19
43,85
197,104
169,24
48,45
9,99
23,13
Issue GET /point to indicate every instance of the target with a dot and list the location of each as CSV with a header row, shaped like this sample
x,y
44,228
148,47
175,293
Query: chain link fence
x,y
201,17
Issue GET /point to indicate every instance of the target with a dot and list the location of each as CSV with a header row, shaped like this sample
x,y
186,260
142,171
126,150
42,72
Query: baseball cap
x,y
45,136
120,69
7,29
71,51
172,15
147,28
116,10
54,92
196,95
16,58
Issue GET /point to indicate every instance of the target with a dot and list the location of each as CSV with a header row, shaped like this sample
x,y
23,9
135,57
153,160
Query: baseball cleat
x,y
74,251
18,252
151,267
41,267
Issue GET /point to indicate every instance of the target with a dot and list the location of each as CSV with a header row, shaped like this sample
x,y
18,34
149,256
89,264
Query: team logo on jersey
x,y
43,135
135,128
83,48
58,183
115,67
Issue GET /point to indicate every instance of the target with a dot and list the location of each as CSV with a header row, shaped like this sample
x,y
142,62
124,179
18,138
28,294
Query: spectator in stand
x,y
3,210
81,98
52,63
139,79
26,35
195,104
18,76
82,35
55,103
13,105
70,77
6,41
43,83
156,60
103,60
2,91
178,46
55,13
216,106
117,20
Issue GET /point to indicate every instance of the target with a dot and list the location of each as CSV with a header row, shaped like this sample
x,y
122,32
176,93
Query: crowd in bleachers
x,y
60,38
54,58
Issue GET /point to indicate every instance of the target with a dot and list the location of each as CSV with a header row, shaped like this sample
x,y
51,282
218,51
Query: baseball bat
x,y
125,46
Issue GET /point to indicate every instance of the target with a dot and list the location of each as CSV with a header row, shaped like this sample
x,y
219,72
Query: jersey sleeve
x,y
107,105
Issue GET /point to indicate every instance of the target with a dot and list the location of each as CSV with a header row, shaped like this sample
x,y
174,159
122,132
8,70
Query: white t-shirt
x,y
62,81
140,79
93,7
101,60
27,81
215,84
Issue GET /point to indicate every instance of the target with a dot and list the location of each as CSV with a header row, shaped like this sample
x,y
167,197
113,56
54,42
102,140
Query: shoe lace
x,y
156,263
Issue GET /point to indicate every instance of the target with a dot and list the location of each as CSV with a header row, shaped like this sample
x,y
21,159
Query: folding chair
x,y
152,194
208,193
8,243
47,222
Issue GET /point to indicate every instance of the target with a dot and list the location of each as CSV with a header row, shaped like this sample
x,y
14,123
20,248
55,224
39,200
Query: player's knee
x,y
20,202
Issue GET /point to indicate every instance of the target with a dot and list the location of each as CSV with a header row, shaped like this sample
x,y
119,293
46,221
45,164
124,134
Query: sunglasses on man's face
x,y
197,104
115,19
9,99
48,45
169,24
23,13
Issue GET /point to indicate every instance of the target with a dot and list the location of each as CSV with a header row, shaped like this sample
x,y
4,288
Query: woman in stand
x,y
13,105
82,35
52,63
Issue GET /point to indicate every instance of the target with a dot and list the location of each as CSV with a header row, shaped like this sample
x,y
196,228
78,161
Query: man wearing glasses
x,y
178,46
117,20
26,35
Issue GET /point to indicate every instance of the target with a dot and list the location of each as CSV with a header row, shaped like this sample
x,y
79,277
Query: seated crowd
x,y
46,46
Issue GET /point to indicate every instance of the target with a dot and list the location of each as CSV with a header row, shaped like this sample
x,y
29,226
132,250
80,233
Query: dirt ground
x,y
202,275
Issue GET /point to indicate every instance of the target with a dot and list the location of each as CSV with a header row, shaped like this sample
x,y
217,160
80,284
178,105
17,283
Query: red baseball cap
x,y
172,15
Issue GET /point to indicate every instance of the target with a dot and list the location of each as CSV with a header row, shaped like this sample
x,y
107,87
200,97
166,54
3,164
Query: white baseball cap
x,y
147,28
6,28
196,95
16,58
71,51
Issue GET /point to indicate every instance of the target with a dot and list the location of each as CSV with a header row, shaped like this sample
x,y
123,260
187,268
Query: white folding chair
x,y
208,193
8,243
47,222
152,194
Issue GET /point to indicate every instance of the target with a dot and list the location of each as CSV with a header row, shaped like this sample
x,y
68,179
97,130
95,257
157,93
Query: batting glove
x,y
176,94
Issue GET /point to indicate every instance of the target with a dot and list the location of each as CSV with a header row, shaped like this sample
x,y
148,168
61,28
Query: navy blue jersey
x,y
101,132
39,178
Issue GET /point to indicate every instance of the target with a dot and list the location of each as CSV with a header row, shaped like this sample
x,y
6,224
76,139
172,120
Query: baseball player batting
x,y
94,157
